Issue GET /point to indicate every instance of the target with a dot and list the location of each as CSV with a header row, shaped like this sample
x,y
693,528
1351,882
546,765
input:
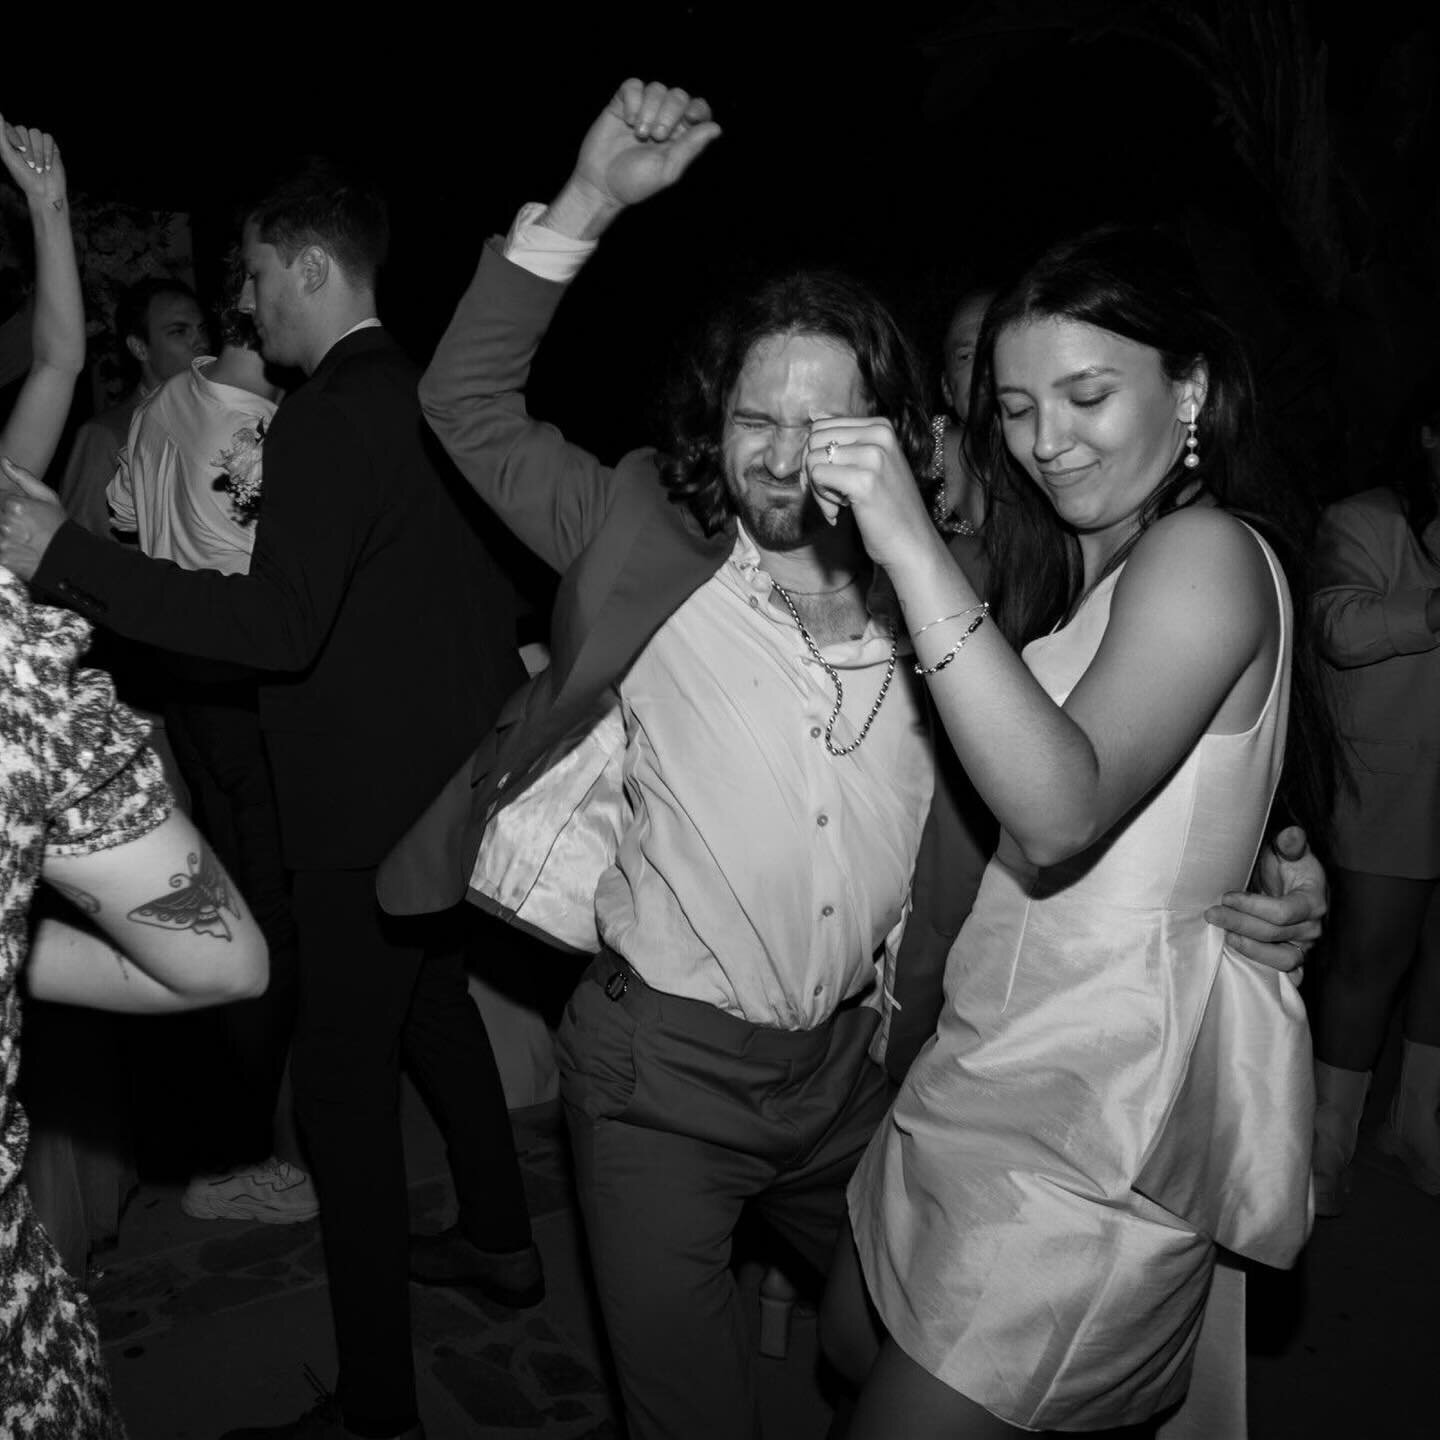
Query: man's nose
x,y
786,451
246,304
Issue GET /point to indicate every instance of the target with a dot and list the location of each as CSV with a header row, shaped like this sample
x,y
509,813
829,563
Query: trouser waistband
x,y
623,984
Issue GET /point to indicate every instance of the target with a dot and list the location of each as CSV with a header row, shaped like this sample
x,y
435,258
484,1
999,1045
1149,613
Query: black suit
x,y
371,590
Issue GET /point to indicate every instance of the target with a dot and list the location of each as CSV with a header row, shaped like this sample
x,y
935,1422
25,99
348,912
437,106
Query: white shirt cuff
x,y
543,251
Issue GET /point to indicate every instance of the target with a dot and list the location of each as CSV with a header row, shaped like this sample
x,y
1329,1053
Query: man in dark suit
x,y
374,596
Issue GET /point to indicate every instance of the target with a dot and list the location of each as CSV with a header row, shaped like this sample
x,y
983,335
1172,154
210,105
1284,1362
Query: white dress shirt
x,y
757,872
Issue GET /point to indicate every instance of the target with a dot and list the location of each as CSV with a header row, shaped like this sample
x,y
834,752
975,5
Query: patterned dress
x,y
75,777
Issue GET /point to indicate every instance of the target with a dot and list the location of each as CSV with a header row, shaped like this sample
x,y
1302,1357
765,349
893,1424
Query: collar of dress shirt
x,y
881,601
373,323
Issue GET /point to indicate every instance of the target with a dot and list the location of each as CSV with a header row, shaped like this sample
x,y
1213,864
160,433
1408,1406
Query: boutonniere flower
x,y
242,474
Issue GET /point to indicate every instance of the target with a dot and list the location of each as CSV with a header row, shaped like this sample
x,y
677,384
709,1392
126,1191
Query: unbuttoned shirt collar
x,y
747,565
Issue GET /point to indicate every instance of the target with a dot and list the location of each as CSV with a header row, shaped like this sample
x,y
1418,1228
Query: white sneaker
x,y
274,1192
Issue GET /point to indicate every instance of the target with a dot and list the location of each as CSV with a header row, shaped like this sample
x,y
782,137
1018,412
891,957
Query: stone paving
x,y
211,1324
501,1371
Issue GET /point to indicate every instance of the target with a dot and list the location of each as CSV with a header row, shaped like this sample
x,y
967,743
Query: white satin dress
x,y
998,1211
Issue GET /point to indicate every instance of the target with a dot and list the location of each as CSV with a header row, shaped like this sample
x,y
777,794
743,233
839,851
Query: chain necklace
x,y
945,522
834,675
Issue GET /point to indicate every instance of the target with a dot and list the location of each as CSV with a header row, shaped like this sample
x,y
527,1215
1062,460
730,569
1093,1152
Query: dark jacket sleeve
x,y
552,494
315,513
958,838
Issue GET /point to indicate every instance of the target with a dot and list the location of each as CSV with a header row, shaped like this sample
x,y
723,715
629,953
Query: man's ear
x,y
138,348
314,265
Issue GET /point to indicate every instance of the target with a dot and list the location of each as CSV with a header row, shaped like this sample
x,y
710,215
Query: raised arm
x,y
552,494
30,435
1193,614
640,144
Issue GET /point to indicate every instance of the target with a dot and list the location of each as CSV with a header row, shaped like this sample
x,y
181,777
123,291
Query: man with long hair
x,y
727,762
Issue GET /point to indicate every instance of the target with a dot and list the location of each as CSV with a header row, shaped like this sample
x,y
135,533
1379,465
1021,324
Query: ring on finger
x,y
1298,944
830,451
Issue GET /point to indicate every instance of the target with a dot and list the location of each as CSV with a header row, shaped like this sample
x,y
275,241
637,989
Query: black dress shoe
x,y
322,1421
505,1277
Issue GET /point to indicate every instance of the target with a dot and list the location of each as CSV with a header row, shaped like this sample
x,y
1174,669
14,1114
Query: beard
x,y
777,519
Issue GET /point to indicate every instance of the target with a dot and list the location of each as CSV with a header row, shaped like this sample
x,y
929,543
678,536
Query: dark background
x,y
1294,145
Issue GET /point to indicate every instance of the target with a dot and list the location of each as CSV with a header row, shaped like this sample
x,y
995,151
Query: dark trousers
x,y
681,1117
215,734
376,991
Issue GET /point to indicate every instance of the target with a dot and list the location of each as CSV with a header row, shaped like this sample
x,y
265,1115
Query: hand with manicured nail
x,y
32,159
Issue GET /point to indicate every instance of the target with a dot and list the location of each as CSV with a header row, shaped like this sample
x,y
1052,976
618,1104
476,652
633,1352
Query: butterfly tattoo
x,y
197,901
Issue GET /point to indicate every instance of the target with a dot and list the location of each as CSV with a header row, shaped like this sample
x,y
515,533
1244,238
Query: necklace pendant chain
x,y
835,680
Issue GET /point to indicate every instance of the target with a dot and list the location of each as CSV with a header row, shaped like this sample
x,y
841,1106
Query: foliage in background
x,y
116,245
1354,191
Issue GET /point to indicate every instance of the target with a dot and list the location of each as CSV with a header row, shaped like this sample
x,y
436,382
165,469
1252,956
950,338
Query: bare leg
x,y
1378,922
901,1398
1422,1002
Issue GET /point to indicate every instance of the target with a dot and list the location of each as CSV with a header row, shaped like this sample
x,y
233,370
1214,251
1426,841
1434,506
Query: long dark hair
x,y
824,303
1136,283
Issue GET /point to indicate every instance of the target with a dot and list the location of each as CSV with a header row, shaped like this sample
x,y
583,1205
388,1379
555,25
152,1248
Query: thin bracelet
x,y
954,650
958,615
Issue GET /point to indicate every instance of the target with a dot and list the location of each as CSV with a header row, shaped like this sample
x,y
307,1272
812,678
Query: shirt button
x,y
819,990
754,603
823,820
827,910
814,732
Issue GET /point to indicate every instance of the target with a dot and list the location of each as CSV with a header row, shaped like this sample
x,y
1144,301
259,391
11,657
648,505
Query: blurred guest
x,y
374,593
161,330
83,806
188,488
959,495
1378,607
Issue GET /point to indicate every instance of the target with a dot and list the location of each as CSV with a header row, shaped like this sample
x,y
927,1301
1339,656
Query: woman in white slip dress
x,y
1111,1093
